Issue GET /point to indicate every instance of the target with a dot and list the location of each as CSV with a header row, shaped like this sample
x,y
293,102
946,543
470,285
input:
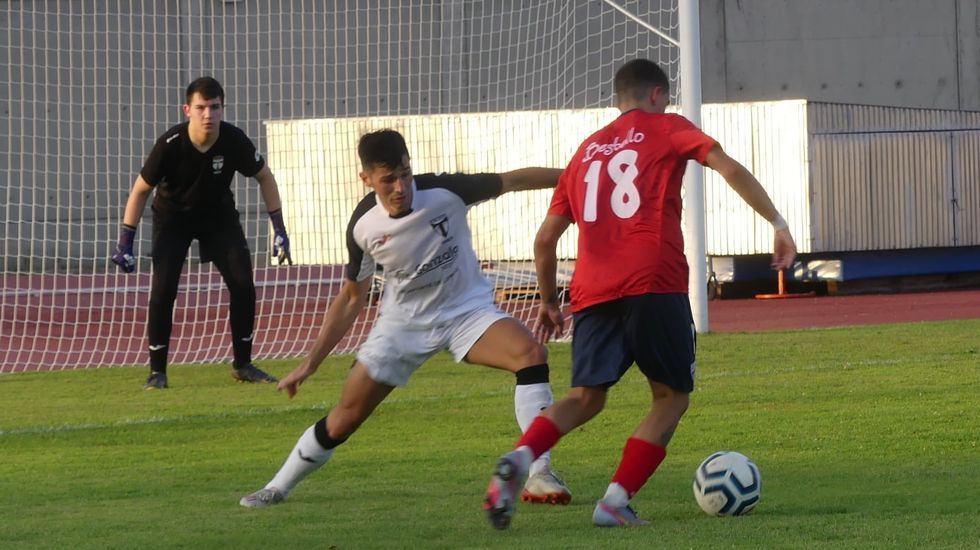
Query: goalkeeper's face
x,y
393,186
204,114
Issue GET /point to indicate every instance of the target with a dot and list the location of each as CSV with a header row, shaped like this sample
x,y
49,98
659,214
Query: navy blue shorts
x,y
655,331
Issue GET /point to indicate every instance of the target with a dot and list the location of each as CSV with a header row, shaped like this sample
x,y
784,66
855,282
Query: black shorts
x,y
216,232
656,331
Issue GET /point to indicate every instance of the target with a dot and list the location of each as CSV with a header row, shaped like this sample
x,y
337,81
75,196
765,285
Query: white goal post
x,y
694,223
91,84
689,31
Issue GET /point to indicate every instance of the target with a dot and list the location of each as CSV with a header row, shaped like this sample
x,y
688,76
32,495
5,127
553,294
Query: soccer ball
x,y
727,484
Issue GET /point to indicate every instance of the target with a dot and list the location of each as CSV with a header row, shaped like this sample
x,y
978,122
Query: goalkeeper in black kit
x,y
191,167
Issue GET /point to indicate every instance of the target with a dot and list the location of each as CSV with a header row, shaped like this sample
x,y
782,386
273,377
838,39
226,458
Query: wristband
x,y
277,224
126,235
779,224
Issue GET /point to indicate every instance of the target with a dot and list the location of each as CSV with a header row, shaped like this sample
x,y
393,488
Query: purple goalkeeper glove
x,y
123,255
280,242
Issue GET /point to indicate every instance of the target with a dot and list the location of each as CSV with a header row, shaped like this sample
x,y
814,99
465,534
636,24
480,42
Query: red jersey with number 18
x,y
623,190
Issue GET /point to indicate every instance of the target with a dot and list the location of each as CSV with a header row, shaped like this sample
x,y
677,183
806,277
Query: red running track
x,y
59,321
52,322
834,311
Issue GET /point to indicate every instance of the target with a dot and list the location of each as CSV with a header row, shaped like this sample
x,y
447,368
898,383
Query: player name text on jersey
x,y
593,149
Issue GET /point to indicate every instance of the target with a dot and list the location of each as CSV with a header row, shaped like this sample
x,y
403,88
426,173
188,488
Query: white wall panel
x,y
861,186
910,191
840,192
769,138
316,165
966,188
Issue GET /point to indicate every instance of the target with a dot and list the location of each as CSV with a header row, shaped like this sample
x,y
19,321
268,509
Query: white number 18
x,y
625,198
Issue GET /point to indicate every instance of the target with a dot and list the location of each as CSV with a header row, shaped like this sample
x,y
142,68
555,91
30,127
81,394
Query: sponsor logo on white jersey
x,y
446,257
380,241
440,224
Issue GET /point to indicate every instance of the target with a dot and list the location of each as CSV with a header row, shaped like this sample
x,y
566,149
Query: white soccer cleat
x,y
608,516
546,487
263,498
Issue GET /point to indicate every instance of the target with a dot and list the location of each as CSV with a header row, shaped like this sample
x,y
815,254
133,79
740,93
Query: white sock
x,y
529,401
616,496
306,456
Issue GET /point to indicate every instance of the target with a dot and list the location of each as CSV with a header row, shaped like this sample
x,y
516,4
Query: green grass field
x,y
865,437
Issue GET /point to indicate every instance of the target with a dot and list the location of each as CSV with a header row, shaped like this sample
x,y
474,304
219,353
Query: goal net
x,y
88,86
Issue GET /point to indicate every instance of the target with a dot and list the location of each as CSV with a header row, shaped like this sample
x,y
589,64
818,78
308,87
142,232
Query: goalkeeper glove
x,y
123,255
280,241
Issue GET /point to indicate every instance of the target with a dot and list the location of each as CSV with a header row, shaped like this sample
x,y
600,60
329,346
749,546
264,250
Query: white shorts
x,y
395,348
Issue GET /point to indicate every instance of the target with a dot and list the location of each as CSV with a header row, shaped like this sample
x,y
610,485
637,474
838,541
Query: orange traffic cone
x,y
782,290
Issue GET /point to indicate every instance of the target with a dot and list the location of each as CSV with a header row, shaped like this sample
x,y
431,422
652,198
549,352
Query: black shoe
x,y
250,373
156,381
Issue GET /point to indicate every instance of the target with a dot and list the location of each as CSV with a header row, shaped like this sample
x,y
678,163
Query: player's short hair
x,y
635,79
382,148
208,87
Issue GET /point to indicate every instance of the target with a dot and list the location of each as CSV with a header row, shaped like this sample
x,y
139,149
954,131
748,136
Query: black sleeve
x,y
152,171
357,268
471,188
250,161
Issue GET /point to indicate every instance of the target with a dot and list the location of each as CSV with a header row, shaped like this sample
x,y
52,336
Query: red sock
x,y
540,436
640,459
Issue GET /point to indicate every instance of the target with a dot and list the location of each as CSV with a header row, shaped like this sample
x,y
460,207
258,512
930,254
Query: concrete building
x,y
900,53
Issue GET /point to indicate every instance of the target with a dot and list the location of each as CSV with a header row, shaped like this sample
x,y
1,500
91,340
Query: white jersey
x,y
430,269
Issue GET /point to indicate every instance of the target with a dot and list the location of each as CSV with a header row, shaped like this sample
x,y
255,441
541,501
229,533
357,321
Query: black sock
x,y
158,359
243,352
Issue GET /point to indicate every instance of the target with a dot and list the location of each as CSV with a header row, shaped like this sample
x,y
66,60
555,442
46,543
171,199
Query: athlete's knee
x,y
671,399
245,299
163,296
161,304
530,352
679,403
241,289
590,400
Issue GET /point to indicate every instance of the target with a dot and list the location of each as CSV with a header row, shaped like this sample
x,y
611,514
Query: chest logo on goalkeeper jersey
x,y
217,163
440,225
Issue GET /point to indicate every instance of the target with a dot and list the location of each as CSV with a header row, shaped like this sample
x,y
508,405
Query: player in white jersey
x,y
435,298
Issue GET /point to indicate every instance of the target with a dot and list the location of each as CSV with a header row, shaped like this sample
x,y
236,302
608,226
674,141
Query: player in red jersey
x,y
629,290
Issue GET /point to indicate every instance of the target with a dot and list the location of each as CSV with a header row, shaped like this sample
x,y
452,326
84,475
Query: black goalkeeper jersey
x,y
189,180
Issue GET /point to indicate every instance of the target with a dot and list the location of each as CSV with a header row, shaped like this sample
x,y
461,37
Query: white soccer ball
x,y
727,484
